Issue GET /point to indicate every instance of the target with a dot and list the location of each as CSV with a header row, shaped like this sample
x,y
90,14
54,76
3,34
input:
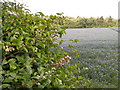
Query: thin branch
x,y
10,55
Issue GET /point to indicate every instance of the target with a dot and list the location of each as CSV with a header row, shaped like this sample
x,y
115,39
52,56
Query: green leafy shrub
x,y
32,57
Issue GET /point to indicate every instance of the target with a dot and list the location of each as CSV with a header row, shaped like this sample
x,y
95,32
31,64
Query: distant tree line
x,y
91,22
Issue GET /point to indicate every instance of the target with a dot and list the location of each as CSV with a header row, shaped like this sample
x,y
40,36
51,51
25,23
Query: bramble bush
x,y
31,53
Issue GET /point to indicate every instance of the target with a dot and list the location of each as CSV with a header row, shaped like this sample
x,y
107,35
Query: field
x,y
98,54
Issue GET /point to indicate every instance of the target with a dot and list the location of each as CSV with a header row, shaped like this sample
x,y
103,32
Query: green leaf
x,y
9,79
41,13
61,41
38,54
17,42
20,59
57,82
4,62
59,13
70,39
13,75
76,40
35,73
29,69
42,27
48,81
12,60
70,46
41,71
4,86
80,77
12,66
25,49
43,45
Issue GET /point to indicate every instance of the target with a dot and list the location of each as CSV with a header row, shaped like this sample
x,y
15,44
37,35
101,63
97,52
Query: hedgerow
x,y
31,52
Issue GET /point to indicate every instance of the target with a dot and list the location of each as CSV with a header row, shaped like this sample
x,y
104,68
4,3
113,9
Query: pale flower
x,y
61,47
53,68
67,60
61,64
56,38
85,68
62,59
38,84
55,33
38,76
44,77
7,50
46,73
52,71
67,57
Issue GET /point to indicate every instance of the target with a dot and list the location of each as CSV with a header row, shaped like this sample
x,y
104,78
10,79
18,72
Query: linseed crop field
x,y
98,54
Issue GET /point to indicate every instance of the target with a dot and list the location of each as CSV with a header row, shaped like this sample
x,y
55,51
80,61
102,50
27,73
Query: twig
x,y
10,55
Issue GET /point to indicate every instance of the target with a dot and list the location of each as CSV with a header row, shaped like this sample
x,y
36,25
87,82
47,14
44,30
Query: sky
x,y
74,8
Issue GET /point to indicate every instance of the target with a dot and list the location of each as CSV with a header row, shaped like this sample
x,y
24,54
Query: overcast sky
x,y
74,8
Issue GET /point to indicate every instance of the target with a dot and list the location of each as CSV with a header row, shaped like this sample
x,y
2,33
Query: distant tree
x,y
83,23
100,22
91,22
101,19
110,19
